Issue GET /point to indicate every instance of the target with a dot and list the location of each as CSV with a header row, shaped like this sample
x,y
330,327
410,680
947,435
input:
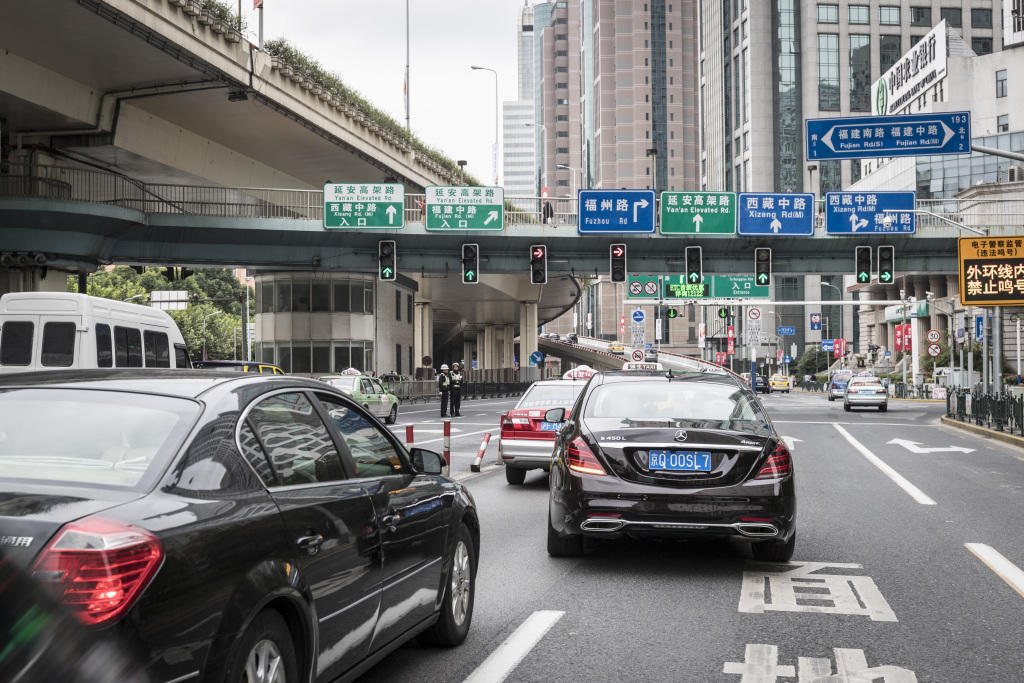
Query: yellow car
x,y
616,347
779,383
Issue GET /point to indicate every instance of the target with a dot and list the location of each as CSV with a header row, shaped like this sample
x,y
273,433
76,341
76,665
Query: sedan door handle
x,y
390,521
311,544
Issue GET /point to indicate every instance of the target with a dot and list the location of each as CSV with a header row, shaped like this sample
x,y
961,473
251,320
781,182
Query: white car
x,y
866,391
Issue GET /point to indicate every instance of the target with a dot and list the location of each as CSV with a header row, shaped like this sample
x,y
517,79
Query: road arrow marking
x,y
791,441
697,220
491,216
913,447
642,204
775,225
390,211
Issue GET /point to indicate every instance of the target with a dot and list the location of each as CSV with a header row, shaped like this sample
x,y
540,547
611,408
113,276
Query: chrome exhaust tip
x,y
602,524
757,530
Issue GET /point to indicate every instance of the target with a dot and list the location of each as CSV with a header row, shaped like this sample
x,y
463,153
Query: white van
x,y
58,330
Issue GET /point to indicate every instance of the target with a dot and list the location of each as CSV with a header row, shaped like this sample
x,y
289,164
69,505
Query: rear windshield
x,y
698,404
841,377
91,438
866,382
551,395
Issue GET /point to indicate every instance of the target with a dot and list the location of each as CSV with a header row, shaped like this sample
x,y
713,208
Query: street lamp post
x,y
494,156
208,315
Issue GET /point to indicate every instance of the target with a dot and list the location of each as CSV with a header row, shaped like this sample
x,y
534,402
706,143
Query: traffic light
x,y
886,264
470,264
694,271
538,264
863,265
723,313
672,313
762,266
617,259
386,257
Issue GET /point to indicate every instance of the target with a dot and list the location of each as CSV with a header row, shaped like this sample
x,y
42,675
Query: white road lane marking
x,y
791,442
798,587
917,494
761,665
915,447
1003,568
506,658
460,436
855,424
475,405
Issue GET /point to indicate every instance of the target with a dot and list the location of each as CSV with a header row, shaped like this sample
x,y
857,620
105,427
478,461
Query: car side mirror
x,y
428,462
555,415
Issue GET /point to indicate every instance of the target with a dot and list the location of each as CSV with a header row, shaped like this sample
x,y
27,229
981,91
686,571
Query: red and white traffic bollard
x,y
475,467
408,436
448,442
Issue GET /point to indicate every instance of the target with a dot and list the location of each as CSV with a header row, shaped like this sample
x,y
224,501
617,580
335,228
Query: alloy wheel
x,y
461,583
264,664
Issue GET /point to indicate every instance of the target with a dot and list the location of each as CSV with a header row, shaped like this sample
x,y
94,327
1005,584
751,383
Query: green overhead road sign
x,y
698,213
465,208
738,287
364,205
674,287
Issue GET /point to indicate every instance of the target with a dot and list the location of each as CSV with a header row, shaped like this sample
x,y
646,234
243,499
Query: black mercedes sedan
x,y
231,527
649,454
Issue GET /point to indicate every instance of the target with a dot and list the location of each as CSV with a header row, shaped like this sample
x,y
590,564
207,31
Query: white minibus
x,y
60,330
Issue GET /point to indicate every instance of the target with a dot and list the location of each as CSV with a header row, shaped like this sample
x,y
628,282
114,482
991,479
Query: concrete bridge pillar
x,y
423,332
489,349
508,348
468,348
939,320
32,280
527,340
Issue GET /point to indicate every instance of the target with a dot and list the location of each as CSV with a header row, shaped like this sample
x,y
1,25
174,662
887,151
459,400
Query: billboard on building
x,y
917,70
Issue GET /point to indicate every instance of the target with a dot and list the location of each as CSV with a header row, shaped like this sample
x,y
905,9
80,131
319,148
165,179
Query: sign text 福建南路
x,y
860,137
991,271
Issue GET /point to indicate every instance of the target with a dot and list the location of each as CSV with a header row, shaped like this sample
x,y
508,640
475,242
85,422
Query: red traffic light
x,y
538,252
618,250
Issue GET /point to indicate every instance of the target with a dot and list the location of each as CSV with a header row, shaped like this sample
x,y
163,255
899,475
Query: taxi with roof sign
x,y
368,392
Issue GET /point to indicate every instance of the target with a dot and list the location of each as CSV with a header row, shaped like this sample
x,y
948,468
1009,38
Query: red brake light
x,y
581,459
99,566
778,465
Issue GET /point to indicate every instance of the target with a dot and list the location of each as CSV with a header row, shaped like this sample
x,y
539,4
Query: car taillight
x,y
98,566
581,459
778,465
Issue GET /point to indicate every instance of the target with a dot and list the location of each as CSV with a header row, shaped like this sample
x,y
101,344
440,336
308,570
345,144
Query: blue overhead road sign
x,y
776,213
857,137
849,213
607,211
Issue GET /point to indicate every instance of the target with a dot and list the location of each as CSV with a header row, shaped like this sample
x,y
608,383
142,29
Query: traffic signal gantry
x,y
762,266
386,260
862,268
617,262
470,263
538,264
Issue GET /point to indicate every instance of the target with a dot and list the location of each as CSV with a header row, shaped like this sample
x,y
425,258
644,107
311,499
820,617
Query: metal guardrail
x,y
414,391
1003,412
89,185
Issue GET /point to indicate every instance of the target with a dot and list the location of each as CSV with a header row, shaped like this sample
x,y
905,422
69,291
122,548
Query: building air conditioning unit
x,y
1016,174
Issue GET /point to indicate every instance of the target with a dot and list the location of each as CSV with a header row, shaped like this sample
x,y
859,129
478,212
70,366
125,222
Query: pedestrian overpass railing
x,y
67,183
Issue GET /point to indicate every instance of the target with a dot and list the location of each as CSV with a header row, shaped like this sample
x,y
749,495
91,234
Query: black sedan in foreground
x,y
670,455
232,528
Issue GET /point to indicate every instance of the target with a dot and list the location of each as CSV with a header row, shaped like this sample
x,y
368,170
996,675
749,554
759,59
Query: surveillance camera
x,y
929,295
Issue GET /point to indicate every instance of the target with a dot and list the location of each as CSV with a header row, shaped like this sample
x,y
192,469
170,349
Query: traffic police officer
x,y
456,397
444,383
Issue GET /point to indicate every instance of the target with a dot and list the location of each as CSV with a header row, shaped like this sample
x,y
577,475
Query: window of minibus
x,y
127,347
158,354
104,350
16,342
58,345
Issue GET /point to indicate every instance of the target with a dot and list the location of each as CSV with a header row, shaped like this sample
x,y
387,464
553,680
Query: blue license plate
x,y
550,426
691,461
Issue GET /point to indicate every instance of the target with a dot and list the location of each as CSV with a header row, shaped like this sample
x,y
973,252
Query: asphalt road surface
x,y
909,544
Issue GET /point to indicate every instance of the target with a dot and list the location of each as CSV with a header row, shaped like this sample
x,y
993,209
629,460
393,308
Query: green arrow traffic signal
x,y
762,278
386,273
694,277
863,277
885,276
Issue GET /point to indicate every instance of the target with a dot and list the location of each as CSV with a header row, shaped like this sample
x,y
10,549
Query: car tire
x,y
265,642
846,407
515,475
563,546
456,614
392,417
882,409
774,551
831,397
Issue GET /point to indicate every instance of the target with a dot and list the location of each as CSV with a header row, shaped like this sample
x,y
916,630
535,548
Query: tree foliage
x,y
214,294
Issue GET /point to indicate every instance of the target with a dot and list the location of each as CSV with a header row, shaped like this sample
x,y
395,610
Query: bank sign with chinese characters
x,y
698,213
858,213
364,205
991,271
918,71
464,208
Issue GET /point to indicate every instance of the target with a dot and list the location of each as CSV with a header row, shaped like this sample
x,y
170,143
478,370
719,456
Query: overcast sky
x,y
452,106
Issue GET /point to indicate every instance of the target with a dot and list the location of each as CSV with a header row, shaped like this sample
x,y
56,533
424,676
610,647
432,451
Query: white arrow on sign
x,y
775,225
858,223
697,220
491,216
642,204
913,447
390,211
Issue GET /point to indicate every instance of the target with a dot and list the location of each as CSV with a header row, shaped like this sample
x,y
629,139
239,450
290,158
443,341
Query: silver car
x,y
866,391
